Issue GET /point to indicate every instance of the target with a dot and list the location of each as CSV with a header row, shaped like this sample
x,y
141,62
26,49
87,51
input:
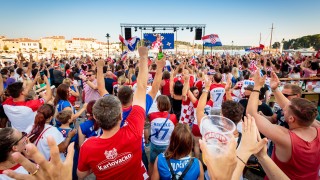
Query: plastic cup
x,y
217,132
77,105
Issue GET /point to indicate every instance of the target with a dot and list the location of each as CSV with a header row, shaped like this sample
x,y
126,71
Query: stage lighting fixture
x,y
164,29
135,29
140,27
191,29
153,29
174,29
182,29
144,28
187,27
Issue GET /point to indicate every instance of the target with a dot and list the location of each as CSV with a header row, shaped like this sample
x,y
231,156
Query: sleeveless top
x,y
178,166
166,87
305,159
176,107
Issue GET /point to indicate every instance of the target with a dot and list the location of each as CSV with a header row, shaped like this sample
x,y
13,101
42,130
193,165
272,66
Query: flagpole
x,y
176,42
204,29
121,43
211,50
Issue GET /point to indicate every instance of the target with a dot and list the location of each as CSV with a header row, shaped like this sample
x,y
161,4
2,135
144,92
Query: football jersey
x,y
217,93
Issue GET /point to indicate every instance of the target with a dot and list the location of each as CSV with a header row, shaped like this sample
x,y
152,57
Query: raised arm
x,y
100,79
280,98
274,132
186,86
29,66
203,100
31,84
171,84
1,85
157,78
139,97
47,97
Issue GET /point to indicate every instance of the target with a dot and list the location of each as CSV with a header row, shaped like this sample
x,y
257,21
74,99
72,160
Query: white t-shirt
x,y
42,143
18,169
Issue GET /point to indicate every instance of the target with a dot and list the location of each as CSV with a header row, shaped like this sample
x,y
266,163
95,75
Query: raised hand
x,y
274,81
143,52
100,63
46,170
258,80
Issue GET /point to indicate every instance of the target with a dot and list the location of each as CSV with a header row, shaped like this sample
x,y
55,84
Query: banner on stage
x,y
155,40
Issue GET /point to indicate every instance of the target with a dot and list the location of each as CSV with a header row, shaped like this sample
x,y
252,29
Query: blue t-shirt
x,y
178,166
87,128
126,113
65,133
108,84
63,104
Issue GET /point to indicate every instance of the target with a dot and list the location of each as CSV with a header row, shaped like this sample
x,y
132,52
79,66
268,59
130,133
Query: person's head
x,y
91,75
109,75
67,81
217,77
67,66
163,103
314,65
20,71
62,93
11,141
235,72
195,92
177,88
107,112
166,75
248,90
154,67
43,116
291,91
15,90
181,142
125,95
301,112
245,65
232,110
64,116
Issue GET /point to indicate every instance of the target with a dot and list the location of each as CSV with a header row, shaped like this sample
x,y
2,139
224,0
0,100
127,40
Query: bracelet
x,y
274,90
205,91
254,90
242,161
247,165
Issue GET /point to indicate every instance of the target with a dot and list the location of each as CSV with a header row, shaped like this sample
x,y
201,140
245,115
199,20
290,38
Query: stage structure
x,y
198,28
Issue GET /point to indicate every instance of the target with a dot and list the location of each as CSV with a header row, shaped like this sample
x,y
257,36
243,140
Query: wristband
x,y
254,90
205,91
274,90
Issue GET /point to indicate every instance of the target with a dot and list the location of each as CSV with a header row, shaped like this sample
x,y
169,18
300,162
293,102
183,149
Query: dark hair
x,y
15,89
92,71
163,103
107,111
314,65
154,66
245,64
304,110
296,69
181,142
7,139
64,116
125,95
217,77
43,113
232,110
62,93
66,67
90,114
19,71
166,75
177,88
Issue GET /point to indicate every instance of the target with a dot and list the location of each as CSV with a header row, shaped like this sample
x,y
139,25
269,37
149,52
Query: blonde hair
x,y
122,80
67,81
235,72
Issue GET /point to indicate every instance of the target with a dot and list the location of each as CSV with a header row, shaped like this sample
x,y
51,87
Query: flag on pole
x,y
257,50
124,55
211,40
131,43
193,61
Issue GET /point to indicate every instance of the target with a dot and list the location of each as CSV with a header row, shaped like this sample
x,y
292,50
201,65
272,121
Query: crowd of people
x,y
143,117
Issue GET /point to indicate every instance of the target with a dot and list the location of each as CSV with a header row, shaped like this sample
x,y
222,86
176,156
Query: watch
x,y
205,90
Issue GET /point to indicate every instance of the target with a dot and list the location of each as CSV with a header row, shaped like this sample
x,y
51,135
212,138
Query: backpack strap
x,y
187,168
171,170
40,136
157,131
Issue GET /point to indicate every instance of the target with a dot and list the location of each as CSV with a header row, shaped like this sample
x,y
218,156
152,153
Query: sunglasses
x,y
287,95
24,134
89,75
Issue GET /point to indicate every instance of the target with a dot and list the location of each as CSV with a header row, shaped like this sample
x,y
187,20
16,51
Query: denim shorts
x,y
155,150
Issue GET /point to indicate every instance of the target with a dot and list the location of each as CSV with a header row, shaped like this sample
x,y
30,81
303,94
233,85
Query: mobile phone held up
x,y
160,54
41,74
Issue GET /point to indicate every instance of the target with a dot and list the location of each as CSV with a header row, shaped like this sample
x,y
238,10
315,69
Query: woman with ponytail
x,y
39,132
90,127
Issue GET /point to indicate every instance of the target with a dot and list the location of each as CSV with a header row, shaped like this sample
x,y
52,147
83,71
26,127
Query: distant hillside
x,y
302,42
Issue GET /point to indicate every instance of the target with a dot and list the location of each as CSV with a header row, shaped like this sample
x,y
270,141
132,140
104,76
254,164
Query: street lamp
x,y
108,36
232,48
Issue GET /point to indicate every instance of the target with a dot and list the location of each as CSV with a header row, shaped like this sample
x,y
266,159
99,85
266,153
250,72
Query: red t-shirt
x,y
179,78
118,157
166,87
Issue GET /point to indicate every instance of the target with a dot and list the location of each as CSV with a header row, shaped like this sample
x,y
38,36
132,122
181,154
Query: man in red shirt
x,y
297,149
117,153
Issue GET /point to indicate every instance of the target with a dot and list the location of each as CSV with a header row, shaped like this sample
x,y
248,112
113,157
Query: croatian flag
x,y
211,40
131,43
257,50
124,55
193,61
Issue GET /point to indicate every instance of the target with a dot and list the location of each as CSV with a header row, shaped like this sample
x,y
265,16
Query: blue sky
x,y
240,21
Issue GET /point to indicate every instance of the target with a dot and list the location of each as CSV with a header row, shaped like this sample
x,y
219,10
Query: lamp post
x,y
108,36
232,48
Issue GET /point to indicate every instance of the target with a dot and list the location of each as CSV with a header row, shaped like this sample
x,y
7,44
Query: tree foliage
x,y
303,42
5,48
